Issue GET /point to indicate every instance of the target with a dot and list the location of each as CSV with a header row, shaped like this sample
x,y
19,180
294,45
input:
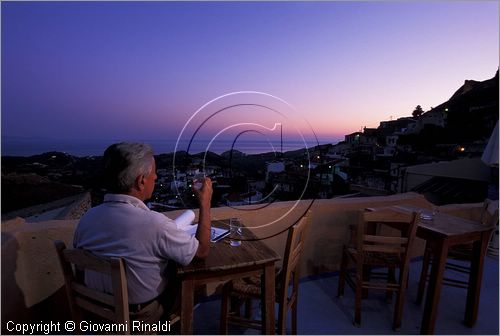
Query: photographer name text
x,y
47,328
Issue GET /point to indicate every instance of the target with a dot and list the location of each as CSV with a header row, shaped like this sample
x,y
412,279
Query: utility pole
x,y
281,135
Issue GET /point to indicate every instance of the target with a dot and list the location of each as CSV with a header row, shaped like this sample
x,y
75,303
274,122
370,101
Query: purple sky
x,y
139,70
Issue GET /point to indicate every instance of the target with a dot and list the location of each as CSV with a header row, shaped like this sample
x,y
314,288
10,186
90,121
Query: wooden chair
x,y
113,307
287,286
459,257
372,250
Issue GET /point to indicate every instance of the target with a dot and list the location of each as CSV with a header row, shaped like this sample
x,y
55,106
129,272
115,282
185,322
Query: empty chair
x,y
459,257
382,253
287,285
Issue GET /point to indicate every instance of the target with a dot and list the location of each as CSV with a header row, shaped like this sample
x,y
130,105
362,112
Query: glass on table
x,y
429,215
435,210
235,231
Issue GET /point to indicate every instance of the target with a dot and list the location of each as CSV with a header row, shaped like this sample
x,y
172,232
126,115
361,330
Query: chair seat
x,y
247,286
375,258
250,286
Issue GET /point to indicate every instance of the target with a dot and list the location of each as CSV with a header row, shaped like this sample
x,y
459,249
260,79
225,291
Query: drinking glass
x,y
198,181
234,231
435,211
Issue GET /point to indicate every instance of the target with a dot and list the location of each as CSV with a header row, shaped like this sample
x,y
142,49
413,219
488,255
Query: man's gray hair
x,y
123,162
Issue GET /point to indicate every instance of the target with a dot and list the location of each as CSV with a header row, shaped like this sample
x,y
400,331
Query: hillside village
x,y
371,161
377,158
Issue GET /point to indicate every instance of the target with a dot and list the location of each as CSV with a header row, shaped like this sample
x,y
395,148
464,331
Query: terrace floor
x,y
321,312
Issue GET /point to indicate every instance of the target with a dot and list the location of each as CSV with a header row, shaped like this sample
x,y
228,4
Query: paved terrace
x,y
320,311
32,280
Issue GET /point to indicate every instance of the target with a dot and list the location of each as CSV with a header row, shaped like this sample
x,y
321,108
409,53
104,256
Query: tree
x,y
418,111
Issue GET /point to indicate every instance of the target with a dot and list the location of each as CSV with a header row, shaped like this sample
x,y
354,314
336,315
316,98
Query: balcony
x,y
32,281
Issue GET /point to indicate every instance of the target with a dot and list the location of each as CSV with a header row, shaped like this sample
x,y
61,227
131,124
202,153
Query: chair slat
x,y
94,308
387,216
87,260
93,294
385,239
384,249
120,284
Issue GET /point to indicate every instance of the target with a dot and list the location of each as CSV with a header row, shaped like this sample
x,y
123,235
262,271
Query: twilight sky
x,y
140,70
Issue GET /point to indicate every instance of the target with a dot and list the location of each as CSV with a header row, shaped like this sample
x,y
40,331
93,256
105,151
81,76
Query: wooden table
x,y
441,232
225,262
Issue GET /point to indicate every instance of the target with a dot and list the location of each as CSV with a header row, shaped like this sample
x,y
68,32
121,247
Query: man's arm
x,y
204,221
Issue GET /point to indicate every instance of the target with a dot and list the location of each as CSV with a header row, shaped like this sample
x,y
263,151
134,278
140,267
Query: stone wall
x,y
31,273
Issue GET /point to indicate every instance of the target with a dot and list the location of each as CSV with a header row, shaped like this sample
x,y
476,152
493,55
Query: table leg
x,y
475,277
268,299
187,303
440,253
423,274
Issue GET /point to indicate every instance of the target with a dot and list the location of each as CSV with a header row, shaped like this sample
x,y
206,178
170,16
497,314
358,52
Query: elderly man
x,y
147,240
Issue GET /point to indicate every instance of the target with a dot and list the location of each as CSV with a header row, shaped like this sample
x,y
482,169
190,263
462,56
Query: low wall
x,y
31,274
32,280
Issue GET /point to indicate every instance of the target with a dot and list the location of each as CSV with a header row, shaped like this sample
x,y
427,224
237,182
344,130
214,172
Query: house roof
x,y
448,190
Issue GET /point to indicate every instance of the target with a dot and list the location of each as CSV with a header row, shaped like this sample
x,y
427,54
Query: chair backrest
x,y
369,241
110,306
489,213
294,246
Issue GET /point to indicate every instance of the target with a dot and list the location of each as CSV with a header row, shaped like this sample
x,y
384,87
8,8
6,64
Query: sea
x,y
17,146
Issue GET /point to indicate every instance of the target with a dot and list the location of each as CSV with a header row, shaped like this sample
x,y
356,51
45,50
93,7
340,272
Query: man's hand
x,y
204,194
204,222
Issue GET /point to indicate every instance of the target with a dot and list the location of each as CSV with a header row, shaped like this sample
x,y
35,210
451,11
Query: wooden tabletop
x,y
223,256
445,225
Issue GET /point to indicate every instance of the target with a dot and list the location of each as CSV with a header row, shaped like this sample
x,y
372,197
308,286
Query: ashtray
x,y
425,216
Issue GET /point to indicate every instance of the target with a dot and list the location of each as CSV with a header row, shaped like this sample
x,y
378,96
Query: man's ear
x,y
139,182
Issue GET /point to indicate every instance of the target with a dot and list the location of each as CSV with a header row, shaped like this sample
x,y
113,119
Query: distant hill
x,y
473,85
37,179
21,191
472,111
